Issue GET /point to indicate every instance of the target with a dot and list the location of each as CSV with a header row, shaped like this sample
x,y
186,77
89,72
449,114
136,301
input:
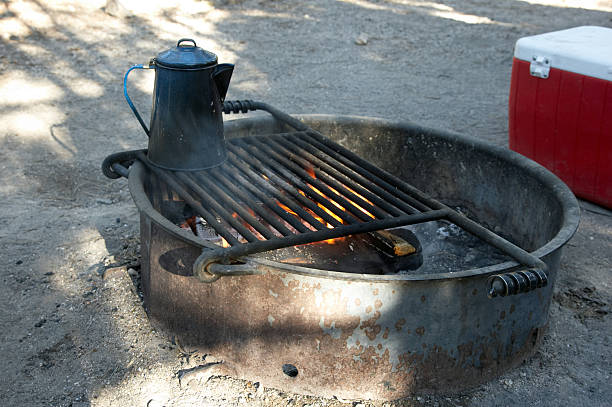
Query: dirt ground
x,y
73,330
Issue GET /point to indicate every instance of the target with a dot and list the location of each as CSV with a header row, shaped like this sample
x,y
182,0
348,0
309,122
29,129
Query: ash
x,y
448,248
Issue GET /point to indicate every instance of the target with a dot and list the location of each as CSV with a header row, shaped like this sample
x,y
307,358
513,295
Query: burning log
x,y
399,248
393,244
383,252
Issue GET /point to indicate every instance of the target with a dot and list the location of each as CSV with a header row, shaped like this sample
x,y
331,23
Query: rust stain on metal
x,y
400,323
320,327
370,327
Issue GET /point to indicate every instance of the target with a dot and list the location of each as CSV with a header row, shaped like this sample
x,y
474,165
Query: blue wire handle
x,y
129,101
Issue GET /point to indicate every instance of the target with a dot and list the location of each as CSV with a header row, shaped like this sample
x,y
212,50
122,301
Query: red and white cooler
x,y
561,107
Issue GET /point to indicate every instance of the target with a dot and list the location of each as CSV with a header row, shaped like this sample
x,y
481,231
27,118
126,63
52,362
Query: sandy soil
x,y
73,331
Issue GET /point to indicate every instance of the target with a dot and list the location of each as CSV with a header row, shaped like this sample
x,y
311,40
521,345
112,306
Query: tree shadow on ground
x,y
443,65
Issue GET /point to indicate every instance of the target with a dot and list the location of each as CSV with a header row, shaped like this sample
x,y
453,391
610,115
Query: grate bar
x,y
372,178
319,200
244,196
359,201
287,187
225,255
463,222
281,197
376,174
221,227
330,195
269,202
221,211
296,145
409,205
156,192
239,209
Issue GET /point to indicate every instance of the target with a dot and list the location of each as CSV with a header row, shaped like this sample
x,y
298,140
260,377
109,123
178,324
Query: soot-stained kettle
x,y
186,130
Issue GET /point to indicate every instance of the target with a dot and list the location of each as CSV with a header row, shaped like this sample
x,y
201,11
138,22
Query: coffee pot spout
x,y
222,76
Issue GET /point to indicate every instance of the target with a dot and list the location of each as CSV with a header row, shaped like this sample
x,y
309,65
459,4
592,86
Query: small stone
x,y
507,382
113,272
362,39
104,201
290,370
132,272
116,9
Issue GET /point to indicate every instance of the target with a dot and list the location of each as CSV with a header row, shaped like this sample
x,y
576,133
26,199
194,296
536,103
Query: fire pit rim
x,y
567,200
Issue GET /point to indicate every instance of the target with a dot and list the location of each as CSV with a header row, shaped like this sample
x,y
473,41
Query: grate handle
x,y
117,165
516,282
243,106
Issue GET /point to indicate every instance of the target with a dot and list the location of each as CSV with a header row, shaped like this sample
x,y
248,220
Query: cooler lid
x,y
585,50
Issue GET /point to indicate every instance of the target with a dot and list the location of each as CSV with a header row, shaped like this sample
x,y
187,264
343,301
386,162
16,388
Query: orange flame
x,y
286,208
360,196
331,213
312,174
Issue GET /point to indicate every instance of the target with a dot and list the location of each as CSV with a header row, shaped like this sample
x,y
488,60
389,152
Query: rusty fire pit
x,y
378,336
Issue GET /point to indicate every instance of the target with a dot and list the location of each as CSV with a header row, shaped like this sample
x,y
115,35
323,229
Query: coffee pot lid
x,y
186,56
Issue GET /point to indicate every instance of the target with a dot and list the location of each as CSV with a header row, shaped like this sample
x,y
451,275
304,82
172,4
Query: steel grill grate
x,y
292,188
287,189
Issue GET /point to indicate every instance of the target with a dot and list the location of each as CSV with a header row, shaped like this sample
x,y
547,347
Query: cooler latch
x,y
540,66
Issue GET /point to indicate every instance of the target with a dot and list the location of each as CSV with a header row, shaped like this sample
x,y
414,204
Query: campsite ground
x,y
75,334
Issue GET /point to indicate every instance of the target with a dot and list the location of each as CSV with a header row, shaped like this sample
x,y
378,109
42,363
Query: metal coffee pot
x,y
186,130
